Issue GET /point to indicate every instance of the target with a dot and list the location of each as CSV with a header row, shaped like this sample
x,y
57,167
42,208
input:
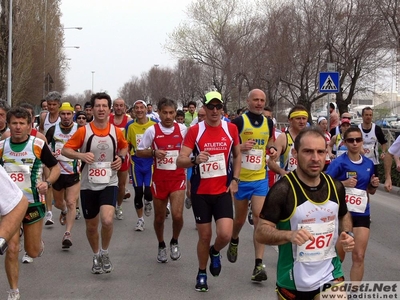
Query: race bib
x,y
369,151
321,247
252,159
292,163
99,172
214,167
356,200
58,155
20,174
169,161
139,138
340,152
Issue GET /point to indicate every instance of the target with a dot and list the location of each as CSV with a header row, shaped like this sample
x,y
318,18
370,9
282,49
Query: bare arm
x,y
387,161
280,145
330,147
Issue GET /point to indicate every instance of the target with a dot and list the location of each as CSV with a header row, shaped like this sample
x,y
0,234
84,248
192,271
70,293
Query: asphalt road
x,y
61,274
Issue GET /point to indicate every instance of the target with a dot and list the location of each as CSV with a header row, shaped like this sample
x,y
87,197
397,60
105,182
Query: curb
x,y
395,189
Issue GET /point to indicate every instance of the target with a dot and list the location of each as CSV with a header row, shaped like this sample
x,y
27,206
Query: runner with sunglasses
x,y
356,172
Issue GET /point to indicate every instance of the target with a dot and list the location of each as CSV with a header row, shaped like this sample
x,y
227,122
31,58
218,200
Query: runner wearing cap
x,y
141,167
67,186
215,177
337,140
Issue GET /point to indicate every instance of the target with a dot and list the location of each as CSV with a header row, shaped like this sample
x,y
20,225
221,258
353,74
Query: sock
x,y
213,251
64,212
173,242
14,291
202,271
258,261
102,251
141,218
161,245
235,241
117,206
96,254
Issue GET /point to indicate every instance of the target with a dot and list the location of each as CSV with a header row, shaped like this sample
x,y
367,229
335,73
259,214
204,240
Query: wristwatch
x,y
350,233
3,246
48,184
193,160
236,179
122,158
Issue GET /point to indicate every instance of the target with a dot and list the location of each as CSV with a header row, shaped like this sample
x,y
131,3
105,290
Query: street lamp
x,y
92,81
10,30
78,28
76,47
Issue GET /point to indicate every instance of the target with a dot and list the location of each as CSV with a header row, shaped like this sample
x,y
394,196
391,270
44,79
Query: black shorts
x,y
206,206
65,181
361,221
92,200
34,213
292,294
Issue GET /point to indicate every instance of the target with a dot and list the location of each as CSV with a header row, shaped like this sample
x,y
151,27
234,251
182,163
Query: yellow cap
x,y
66,106
211,96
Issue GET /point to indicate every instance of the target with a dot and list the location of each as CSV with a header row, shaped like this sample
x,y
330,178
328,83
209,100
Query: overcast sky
x,y
119,39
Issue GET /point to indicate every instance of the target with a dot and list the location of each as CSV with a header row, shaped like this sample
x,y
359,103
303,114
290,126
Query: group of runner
x,y
228,168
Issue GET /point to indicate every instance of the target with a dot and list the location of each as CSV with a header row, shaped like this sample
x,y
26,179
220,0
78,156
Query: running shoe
x,y
168,210
78,214
232,252
147,208
13,295
118,213
188,203
49,218
259,274
127,194
139,225
63,218
66,241
201,284
162,255
215,263
106,263
26,259
175,252
97,267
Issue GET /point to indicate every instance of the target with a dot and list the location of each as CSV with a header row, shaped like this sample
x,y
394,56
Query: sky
x,y
119,39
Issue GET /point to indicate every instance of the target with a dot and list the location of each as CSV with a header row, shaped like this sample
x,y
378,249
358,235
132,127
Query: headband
x,y
299,113
320,119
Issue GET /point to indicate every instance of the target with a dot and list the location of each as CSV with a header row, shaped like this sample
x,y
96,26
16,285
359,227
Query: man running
x,y
119,119
23,157
256,136
214,179
97,143
303,208
141,167
67,187
163,142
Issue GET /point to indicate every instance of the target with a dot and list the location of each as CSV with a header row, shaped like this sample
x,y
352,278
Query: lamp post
x,y
92,82
78,28
76,47
10,30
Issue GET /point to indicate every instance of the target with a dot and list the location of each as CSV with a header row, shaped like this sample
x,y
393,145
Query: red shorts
x,y
162,189
125,164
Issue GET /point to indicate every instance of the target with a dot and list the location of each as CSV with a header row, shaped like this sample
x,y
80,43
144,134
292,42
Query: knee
x,y
138,198
107,222
358,257
13,249
159,219
225,237
205,238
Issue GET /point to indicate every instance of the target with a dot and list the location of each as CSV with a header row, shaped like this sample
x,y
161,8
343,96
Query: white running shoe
x,y
26,259
139,225
147,208
49,218
12,295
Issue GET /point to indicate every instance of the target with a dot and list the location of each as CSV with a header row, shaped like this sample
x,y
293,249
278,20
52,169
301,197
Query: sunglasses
x,y
212,106
352,140
81,118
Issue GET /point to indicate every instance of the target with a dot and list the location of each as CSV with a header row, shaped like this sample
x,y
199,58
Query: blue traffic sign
x,y
329,82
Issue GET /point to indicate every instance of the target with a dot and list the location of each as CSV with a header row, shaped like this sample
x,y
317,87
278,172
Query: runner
x,y
213,143
256,136
141,168
303,207
23,157
322,123
119,119
67,187
98,142
394,151
337,141
356,172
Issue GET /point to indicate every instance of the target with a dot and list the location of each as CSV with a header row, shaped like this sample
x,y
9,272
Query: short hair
x,y
366,108
312,130
98,96
297,107
4,105
53,96
41,102
268,108
350,130
19,112
76,104
180,113
238,111
27,106
149,104
185,105
166,102
87,105
192,103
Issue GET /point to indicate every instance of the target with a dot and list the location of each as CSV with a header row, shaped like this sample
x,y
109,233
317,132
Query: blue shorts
x,y
141,170
248,189
189,172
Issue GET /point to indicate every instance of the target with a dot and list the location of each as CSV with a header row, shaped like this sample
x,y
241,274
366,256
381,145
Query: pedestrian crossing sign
x,y
329,82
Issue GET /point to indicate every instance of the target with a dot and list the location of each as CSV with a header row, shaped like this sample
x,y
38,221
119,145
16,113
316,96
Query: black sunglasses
x,y
212,106
81,118
352,140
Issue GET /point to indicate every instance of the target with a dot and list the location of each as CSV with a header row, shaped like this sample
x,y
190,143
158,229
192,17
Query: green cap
x,y
211,96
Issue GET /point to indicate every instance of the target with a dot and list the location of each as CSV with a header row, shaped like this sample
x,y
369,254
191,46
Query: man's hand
x,y
116,164
299,237
87,157
347,242
351,182
388,184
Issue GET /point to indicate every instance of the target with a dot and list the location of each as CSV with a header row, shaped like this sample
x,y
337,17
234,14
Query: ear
x,y
294,153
